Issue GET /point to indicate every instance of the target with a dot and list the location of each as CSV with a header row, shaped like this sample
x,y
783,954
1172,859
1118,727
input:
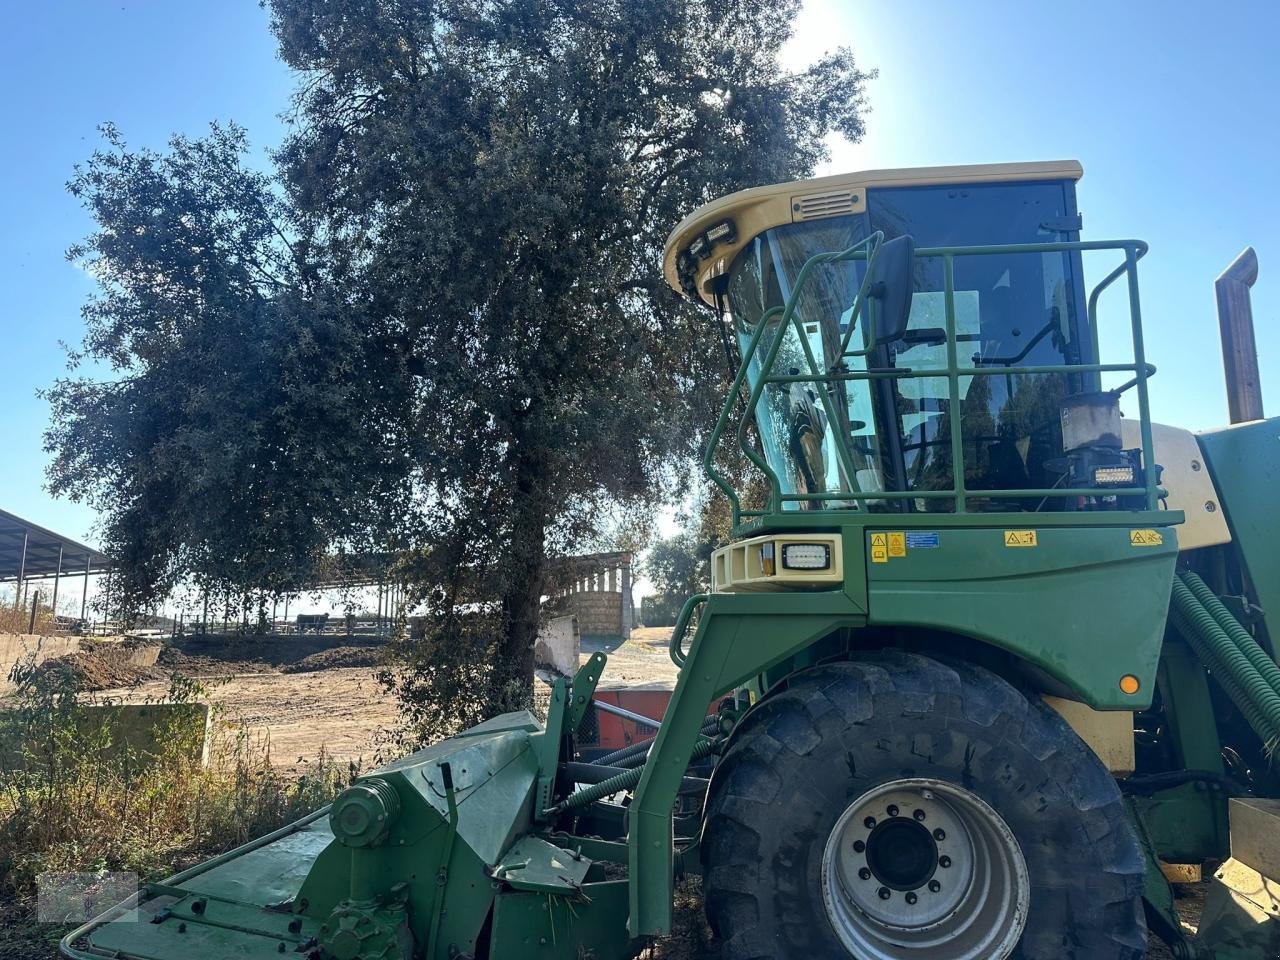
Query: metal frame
x,y
778,318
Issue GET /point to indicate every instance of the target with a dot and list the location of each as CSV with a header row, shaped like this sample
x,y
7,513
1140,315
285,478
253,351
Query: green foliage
x,y
441,322
251,421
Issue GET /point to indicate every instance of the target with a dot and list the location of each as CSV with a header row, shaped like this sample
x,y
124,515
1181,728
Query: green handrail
x,y
676,643
868,249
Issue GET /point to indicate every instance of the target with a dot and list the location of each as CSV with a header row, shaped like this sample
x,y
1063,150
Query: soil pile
x,y
103,667
336,657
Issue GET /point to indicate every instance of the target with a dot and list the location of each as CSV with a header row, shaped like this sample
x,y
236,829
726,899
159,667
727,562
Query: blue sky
x,y
1174,117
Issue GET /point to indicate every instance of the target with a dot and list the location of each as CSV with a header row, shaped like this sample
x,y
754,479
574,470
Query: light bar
x,y
806,556
1123,476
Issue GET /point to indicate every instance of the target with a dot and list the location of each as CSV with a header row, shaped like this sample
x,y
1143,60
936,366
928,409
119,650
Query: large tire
x,y
810,754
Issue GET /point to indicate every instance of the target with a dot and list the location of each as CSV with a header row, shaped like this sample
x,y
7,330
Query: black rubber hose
x,y
616,784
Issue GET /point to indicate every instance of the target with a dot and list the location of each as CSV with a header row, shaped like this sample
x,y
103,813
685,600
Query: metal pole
x,y
106,601
22,572
53,604
627,714
84,597
286,613
1239,350
35,602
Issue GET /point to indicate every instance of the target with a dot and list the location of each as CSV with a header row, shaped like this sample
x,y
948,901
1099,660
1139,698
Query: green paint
x,y
1053,605
1244,461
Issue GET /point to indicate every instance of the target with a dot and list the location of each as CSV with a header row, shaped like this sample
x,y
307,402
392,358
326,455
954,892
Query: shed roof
x,y
42,548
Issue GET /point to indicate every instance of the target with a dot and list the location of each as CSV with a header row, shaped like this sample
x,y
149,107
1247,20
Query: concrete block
x,y
559,645
1255,833
1241,916
147,729
16,647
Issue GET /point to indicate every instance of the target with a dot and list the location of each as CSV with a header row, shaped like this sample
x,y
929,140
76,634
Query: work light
x,y
806,556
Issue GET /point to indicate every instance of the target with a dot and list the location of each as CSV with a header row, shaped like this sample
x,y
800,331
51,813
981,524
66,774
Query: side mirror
x,y
891,287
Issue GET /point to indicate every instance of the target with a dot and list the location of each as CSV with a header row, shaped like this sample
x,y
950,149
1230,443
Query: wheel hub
x,y
901,853
924,869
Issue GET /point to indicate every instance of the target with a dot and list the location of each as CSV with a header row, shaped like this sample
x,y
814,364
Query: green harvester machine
x,y
985,659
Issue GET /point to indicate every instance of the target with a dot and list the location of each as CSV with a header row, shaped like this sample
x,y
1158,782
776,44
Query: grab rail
x,y
780,318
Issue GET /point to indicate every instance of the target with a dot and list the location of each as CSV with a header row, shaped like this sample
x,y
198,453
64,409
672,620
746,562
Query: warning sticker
x,y
897,544
1020,538
922,541
879,548
1145,538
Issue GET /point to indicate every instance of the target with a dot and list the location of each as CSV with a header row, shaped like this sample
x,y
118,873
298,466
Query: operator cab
x,y
864,419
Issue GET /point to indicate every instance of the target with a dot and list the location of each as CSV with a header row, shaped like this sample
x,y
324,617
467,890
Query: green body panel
x,y
1162,914
1244,461
738,637
533,865
534,926
1187,823
1056,605
302,877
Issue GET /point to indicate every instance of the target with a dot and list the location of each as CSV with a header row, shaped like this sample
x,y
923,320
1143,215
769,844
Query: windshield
x,y
892,433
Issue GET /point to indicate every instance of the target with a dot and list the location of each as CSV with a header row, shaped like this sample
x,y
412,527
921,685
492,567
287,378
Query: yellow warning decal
x,y
897,544
879,548
1145,538
1020,538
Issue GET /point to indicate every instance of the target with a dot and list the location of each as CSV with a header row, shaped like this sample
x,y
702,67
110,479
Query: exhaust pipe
x,y
1235,325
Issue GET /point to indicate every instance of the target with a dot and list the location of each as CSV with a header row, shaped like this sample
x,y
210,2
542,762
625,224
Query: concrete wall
x,y
19,646
559,645
147,728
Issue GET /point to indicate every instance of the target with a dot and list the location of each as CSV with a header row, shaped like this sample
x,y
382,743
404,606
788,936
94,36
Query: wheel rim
x,y
926,870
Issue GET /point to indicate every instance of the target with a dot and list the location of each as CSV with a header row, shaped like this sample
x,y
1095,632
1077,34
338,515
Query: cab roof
x,y
753,211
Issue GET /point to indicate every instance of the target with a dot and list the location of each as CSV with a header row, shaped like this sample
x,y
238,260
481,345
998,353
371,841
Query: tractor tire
x,y
896,807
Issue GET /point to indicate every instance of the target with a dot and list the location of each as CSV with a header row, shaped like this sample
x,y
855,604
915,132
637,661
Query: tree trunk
x,y
523,580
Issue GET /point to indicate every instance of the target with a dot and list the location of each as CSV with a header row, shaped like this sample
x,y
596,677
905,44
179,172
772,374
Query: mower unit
x,y
985,655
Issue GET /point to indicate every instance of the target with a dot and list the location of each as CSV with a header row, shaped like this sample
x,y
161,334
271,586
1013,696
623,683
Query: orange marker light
x,y
1129,684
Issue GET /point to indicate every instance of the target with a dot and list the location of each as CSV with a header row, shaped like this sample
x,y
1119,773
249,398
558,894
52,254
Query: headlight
x,y
1113,476
806,556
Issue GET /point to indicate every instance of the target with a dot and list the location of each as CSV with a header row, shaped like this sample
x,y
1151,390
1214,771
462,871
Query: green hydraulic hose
x,y
1253,695
623,781
626,757
1248,709
1260,659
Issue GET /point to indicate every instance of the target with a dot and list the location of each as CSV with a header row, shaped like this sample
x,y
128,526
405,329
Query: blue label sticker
x,y
922,541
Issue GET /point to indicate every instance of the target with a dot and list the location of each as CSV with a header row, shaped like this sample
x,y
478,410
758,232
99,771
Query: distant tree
x,y
471,207
231,415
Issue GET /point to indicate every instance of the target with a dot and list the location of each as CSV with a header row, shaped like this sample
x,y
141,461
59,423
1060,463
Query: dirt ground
x,y
308,696
642,661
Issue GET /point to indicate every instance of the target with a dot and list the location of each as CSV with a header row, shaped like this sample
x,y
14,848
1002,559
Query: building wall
x,y
599,612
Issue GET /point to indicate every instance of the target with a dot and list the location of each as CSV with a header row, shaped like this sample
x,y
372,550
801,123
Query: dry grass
x,y
71,800
15,620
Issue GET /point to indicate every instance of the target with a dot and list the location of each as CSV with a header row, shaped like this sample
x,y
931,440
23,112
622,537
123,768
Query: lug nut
x,y
912,898
884,893
939,834
944,861
919,814
934,886
864,874
869,823
858,846
893,810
